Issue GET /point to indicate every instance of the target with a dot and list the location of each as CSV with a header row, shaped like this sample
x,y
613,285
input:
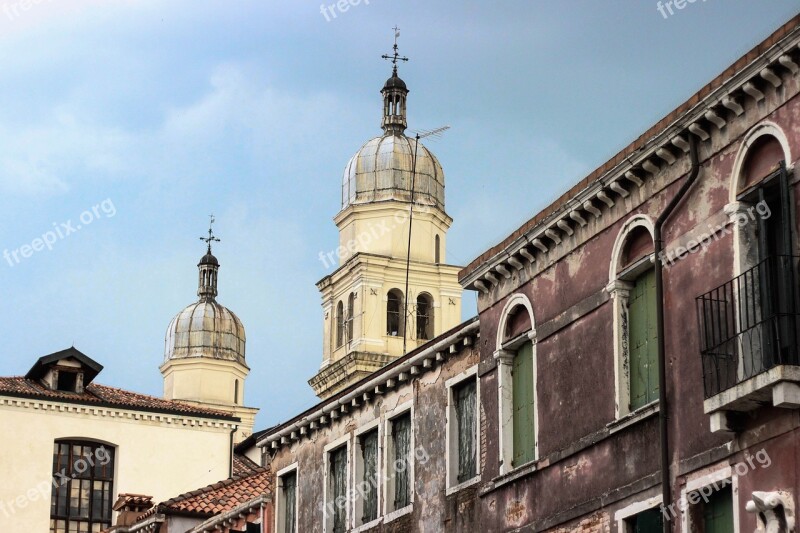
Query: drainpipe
x,y
666,486
230,467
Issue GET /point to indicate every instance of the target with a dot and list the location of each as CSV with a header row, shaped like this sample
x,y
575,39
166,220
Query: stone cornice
x,y
112,413
706,119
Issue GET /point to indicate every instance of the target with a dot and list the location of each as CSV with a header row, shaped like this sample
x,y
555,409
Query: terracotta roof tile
x,y
223,496
242,465
102,395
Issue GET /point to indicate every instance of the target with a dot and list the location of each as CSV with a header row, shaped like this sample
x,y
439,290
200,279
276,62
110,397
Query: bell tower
x,y
391,291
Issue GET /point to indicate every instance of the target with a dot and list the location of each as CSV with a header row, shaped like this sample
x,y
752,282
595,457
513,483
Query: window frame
x,y
280,501
619,288
504,356
429,317
358,471
400,312
389,512
622,516
703,479
95,445
451,432
328,517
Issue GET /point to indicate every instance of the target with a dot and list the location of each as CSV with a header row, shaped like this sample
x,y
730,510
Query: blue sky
x,y
163,112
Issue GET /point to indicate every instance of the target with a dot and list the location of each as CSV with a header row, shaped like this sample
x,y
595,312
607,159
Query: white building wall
x,y
156,454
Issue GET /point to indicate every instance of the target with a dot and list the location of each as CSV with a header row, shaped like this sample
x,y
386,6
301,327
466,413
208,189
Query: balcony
x,y
749,339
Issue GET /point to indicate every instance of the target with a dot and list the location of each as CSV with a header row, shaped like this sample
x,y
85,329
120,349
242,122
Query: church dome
x,y
206,328
382,170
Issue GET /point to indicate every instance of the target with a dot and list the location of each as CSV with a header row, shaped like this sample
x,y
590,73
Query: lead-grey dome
x,y
205,329
382,170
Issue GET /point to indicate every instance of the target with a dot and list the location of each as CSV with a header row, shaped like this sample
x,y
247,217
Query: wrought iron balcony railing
x,y
749,325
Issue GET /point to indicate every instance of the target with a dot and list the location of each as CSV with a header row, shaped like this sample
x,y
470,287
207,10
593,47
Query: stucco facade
x,y
185,450
597,463
418,383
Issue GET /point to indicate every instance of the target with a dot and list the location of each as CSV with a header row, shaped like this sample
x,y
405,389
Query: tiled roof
x,y
636,145
103,396
243,466
221,497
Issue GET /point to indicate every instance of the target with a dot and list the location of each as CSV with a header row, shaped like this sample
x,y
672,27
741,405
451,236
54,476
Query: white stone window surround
x,y
619,289
504,355
451,450
632,510
327,512
389,513
358,472
706,478
280,505
743,259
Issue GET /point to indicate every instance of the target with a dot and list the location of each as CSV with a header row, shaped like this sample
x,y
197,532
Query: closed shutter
x,y
718,512
523,406
643,341
339,489
401,433
289,499
369,450
466,417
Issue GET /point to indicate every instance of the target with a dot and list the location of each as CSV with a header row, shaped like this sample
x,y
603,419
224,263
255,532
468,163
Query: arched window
x,y
83,486
633,288
437,257
236,391
394,313
351,304
424,317
339,324
516,358
760,302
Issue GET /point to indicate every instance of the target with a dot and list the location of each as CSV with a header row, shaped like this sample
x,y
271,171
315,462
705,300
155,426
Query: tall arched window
x,y
424,317
394,313
351,304
83,486
236,391
437,252
633,288
339,324
516,358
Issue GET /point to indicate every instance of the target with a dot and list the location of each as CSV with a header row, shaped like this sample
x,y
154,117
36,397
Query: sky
x,y
124,124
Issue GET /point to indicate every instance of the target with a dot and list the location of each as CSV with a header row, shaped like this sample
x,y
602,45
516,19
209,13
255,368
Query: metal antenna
x,y
211,238
430,133
395,57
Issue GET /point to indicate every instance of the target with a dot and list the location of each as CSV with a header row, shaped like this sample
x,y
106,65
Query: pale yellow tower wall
x,y
371,278
210,383
382,229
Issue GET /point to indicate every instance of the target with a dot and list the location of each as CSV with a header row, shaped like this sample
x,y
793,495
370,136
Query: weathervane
x,y
395,57
208,240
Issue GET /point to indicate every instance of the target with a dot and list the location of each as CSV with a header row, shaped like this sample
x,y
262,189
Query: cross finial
x,y
395,57
211,238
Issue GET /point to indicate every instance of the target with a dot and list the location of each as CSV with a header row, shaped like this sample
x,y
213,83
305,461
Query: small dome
x,y
205,329
395,83
382,170
208,259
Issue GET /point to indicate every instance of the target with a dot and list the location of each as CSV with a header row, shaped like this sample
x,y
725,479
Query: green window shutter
x,y
643,341
649,521
523,405
718,512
